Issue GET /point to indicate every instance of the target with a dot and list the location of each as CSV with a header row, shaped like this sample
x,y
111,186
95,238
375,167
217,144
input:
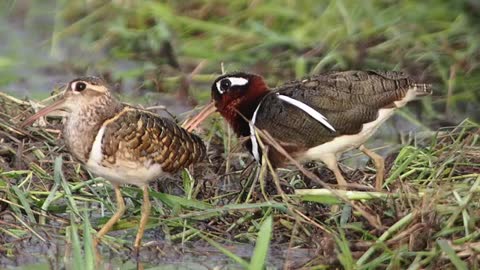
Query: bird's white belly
x,y
347,142
123,171
120,174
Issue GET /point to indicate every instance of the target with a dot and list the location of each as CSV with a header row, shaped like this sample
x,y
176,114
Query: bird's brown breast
x,y
84,123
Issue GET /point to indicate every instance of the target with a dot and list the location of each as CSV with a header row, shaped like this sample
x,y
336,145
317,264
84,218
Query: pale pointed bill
x,y
302,106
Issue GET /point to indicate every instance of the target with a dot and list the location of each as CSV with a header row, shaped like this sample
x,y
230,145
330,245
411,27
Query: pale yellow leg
x,y
118,214
143,219
331,162
379,165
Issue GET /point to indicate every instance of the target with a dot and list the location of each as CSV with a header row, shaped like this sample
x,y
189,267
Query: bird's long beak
x,y
201,116
59,104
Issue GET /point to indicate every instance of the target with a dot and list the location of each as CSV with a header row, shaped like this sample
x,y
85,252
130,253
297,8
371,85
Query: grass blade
x,y
77,262
88,243
260,252
227,252
174,201
60,178
344,253
326,196
23,200
48,201
395,227
445,246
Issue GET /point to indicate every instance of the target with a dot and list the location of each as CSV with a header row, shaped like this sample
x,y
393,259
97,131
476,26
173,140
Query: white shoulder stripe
x,y
253,137
96,155
309,110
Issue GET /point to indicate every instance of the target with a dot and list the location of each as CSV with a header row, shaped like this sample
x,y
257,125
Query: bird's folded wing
x,y
346,100
141,136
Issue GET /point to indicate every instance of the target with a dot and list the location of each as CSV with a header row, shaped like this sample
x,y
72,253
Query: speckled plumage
x,y
123,144
132,138
150,139
84,122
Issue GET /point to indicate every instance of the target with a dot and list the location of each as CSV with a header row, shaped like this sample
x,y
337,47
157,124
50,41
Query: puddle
x,y
32,253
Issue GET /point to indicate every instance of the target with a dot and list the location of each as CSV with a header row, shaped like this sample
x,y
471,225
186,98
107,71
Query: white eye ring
x,y
72,87
234,81
219,85
79,84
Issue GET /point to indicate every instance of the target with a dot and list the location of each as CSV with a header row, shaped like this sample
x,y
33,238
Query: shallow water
x,y
32,252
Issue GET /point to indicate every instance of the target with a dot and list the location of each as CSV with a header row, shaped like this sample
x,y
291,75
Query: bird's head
x,y
231,94
78,94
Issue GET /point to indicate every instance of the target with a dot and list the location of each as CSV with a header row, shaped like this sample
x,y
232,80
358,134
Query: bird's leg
x,y
143,219
331,162
118,214
379,165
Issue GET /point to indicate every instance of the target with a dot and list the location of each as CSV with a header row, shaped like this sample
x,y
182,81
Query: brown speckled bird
x,y
316,118
122,144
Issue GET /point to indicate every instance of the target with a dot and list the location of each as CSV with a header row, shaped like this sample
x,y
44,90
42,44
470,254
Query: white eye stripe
x,y
234,81
309,110
99,88
238,81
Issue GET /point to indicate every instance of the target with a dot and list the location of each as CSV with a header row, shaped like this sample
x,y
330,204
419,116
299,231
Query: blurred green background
x,y
144,47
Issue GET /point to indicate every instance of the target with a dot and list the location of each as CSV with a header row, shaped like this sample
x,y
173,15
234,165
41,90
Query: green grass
x,y
433,190
426,218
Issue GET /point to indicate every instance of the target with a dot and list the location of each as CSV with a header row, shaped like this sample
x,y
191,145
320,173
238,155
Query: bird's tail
x,y
423,89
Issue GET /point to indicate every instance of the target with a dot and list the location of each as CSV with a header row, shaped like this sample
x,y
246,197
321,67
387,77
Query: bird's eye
x,y
225,84
80,86
228,83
